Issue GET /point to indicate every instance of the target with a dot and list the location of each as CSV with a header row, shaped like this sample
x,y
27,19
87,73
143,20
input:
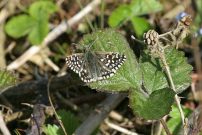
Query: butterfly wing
x,y
80,65
75,62
110,63
85,76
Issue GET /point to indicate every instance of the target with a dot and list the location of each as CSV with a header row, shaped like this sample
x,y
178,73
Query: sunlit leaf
x,y
40,8
137,7
35,24
19,26
51,130
140,25
175,122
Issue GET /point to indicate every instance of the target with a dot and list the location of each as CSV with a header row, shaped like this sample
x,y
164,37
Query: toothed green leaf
x,y
153,99
153,105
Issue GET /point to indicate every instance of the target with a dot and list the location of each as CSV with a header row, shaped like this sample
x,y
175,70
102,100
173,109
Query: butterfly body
x,y
94,66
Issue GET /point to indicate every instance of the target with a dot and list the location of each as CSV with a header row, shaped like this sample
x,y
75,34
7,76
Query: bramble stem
x,y
165,127
177,99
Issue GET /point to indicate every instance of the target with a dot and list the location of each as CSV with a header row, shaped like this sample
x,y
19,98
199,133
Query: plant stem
x,y
177,99
165,127
86,17
51,103
102,14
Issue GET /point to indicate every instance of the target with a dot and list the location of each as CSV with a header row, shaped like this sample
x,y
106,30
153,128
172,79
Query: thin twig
x,y
120,129
67,102
158,127
5,12
177,99
56,115
165,127
13,116
195,79
50,63
198,65
86,17
3,127
102,14
55,33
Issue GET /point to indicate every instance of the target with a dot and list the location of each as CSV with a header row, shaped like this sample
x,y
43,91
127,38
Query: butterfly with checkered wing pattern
x,y
95,66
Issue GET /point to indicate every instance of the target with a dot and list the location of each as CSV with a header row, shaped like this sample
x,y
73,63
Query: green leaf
x,y
140,25
151,106
174,123
142,7
51,130
19,26
153,76
119,15
35,24
40,8
199,7
135,8
39,32
128,75
7,78
154,71
155,93
180,69
198,16
150,95
40,11
69,120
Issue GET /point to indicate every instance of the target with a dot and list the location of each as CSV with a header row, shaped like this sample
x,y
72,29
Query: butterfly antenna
x,y
92,43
